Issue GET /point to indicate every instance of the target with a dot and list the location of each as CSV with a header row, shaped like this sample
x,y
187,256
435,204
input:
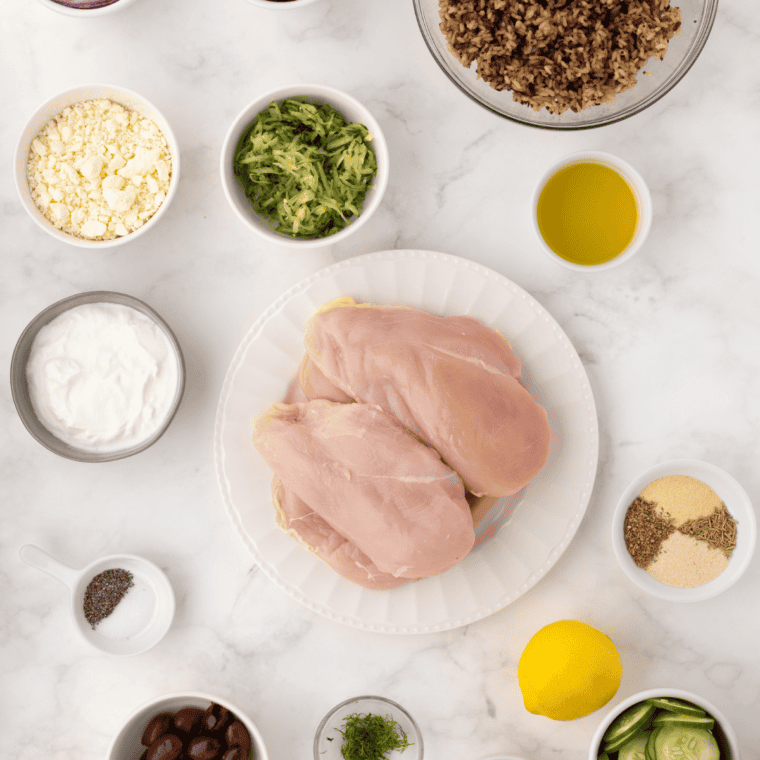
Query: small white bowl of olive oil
x,y
591,211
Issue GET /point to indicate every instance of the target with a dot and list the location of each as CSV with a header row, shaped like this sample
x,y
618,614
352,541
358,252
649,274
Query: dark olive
x,y
203,748
157,726
188,719
237,735
168,747
216,718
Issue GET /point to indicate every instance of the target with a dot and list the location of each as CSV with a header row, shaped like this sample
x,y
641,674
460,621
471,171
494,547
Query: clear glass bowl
x,y
328,739
697,18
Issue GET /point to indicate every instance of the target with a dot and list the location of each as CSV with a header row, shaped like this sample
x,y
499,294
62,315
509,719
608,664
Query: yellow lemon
x,y
568,670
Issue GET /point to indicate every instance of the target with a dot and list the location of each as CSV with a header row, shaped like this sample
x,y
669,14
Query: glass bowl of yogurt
x,y
97,376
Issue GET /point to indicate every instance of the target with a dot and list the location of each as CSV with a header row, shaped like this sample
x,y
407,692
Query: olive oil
x,y
587,213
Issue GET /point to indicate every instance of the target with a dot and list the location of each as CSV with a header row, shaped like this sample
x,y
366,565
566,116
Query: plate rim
x,y
482,611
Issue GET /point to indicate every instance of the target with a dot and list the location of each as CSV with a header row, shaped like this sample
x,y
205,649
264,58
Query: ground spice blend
x,y
645,530
104,592
680,532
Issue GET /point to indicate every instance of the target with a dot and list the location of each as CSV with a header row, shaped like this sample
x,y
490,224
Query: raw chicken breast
x,y
314,384
388,495
301,522
451,381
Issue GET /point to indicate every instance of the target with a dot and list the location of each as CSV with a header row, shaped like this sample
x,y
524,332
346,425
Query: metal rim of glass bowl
x,y
448,63
20,389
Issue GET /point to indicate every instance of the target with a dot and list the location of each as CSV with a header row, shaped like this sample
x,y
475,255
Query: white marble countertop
x,y
670,341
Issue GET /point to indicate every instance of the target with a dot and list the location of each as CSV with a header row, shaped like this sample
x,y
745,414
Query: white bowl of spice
x,y
122,604
684,530
96,166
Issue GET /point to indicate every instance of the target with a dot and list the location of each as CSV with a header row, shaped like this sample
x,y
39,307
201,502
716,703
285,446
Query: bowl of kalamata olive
x,y
188,726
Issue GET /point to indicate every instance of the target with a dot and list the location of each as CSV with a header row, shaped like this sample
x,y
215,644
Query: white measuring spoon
x,y
150,582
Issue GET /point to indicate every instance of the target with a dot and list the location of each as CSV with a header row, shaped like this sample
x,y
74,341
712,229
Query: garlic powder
x,y
99,170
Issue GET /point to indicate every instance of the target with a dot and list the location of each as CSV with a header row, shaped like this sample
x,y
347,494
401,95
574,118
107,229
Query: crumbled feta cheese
x,y
99,170
93,228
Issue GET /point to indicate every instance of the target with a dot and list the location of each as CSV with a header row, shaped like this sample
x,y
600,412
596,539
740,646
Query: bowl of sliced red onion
x,y
86,8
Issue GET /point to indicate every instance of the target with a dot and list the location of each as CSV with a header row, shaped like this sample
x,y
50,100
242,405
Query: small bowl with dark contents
x,y
188,725
661,724
684,530
86,8
304,165
281,5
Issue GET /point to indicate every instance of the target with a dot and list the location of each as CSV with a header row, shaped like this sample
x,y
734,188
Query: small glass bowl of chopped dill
x,y
368,728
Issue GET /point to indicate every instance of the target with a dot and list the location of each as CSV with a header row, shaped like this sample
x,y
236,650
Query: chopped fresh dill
x,y
370,737
305,167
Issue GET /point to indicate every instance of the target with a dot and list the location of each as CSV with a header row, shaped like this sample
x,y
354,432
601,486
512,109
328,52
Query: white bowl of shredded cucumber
x,y
662,724
304,165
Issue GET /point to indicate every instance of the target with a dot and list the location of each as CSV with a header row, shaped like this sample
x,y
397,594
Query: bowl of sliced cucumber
x,y
661,724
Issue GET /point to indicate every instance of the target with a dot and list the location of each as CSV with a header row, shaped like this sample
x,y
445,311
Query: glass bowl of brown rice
x,y
684,530
565,65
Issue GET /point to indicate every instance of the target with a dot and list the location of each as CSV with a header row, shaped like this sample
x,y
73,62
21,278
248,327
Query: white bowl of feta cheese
x,y
96,166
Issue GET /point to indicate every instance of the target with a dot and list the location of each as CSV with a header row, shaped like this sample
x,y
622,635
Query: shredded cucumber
x,y
305,167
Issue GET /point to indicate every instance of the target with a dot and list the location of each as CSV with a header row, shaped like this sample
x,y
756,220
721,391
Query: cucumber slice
x,y
685,743
676,705
635,748
627,725
614,746
649,752
684,719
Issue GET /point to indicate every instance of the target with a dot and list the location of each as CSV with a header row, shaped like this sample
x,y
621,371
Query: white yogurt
x,y
102,377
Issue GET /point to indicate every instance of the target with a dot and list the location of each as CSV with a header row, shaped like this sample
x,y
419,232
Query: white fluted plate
x,y
521,538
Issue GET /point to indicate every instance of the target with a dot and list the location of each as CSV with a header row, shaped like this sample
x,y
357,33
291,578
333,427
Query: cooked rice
x,y
559,54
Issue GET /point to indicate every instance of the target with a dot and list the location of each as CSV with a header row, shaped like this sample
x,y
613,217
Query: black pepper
x,y
104,592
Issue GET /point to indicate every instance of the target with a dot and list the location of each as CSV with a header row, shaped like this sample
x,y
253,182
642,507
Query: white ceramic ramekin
x,y
353,111
55,105
643,202
126,745
733,496
723,732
